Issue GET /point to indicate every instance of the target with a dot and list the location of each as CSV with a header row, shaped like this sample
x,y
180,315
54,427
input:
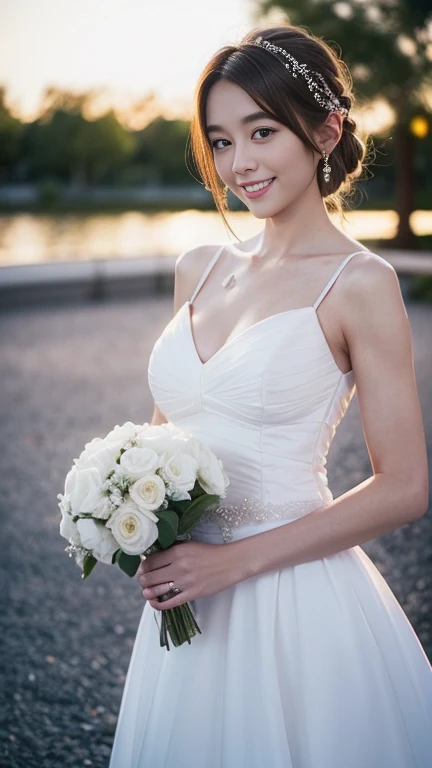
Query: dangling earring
x,y
327,167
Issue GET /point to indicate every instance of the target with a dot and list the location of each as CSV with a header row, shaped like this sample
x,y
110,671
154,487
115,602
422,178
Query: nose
x,y
243,161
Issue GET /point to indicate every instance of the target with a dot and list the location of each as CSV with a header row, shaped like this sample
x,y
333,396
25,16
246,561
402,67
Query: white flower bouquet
x,y
138,491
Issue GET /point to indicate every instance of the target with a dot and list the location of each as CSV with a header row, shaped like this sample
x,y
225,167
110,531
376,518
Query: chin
x,y
268,212
263,215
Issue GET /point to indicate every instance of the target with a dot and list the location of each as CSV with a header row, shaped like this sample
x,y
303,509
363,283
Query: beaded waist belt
x,y
252,512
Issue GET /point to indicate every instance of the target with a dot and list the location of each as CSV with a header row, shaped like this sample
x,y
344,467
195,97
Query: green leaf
x,y
197,490
129,563
195,510
178,506
116,556
168,527
88,565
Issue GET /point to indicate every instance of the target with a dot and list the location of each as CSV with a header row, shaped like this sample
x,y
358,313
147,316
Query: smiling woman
x,y
306,659
283,100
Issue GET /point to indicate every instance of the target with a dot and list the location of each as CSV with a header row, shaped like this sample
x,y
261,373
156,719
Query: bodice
x,y
268,403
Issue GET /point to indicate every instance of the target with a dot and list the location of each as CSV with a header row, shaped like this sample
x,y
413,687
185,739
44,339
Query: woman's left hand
x,y
197,568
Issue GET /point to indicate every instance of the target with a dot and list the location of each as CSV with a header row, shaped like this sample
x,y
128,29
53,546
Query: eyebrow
x,y
244,121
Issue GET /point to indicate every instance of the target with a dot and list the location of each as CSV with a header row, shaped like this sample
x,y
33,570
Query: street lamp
x,y
419,126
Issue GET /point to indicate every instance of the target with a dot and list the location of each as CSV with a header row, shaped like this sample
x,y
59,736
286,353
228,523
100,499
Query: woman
x,y
306,659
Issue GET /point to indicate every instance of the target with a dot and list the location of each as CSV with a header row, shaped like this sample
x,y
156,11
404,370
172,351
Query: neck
x,y
303,228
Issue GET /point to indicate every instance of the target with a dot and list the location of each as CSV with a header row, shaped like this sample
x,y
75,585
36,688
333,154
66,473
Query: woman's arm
x,y
378,336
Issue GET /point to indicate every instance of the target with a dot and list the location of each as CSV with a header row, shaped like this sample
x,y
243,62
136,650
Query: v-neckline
x,y
239,335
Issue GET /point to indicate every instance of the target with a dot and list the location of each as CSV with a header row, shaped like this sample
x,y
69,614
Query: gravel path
x,y
69,374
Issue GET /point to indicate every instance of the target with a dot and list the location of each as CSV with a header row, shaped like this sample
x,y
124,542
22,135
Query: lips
x,y
255,181
259,192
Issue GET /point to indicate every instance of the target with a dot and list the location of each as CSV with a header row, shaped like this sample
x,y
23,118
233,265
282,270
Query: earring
x,y
327,167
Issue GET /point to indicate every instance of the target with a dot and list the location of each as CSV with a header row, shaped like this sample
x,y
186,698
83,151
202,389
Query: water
x,y
34,238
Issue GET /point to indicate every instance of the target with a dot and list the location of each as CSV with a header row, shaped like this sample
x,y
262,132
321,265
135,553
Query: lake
x,y
27,238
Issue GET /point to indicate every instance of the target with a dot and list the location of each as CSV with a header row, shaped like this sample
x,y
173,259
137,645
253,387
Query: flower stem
x,y
179,623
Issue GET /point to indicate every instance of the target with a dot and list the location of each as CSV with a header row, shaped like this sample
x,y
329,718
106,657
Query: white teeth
x,y
256,187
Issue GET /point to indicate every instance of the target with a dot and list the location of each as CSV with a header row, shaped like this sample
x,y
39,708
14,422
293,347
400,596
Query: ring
x,y
172,591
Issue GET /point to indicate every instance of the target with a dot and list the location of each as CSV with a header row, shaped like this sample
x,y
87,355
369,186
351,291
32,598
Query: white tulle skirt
x,y
313,666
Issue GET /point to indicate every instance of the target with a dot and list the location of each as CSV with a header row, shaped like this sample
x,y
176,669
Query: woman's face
x,y
254,150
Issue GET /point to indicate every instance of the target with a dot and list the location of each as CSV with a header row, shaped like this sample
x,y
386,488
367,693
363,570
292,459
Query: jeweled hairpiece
x,y
322,93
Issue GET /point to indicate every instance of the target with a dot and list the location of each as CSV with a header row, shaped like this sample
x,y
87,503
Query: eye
x,y
258,130
216,141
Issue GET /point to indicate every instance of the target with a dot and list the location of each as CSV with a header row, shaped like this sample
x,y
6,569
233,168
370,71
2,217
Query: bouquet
x,y
138,491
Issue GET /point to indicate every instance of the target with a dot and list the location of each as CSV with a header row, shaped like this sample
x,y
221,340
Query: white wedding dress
x,y
311,666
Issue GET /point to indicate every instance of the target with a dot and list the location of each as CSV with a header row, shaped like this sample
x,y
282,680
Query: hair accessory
x,y
322,93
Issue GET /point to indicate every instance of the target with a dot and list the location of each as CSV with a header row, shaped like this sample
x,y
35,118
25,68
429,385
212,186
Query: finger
x,y
152,578
157,591
157,560
173,602
139,572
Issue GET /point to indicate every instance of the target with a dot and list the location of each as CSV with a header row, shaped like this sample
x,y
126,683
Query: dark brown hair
x,y
288,100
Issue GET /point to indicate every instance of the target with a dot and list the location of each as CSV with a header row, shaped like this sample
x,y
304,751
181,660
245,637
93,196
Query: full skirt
x,y
312,666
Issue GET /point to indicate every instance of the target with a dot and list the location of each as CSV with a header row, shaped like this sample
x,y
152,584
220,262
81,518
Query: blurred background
x,y
96,203
96,99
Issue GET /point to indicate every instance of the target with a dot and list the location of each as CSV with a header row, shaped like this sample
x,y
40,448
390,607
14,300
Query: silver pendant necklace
x,y
229,281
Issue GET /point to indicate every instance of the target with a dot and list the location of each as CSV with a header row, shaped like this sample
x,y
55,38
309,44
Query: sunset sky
x,y
132,46
126,49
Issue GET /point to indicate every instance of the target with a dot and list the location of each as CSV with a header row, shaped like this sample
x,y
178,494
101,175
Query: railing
x,y
97,279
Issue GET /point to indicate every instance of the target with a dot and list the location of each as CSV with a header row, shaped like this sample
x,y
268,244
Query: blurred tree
x,y
101,147
10,140
161,150
63,144
387,44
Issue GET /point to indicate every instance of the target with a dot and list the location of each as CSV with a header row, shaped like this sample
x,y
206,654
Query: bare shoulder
x,y
369,266
371,285
374,317
189,267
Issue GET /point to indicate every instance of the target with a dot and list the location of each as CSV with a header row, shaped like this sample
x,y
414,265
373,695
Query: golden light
x,y
376,117
419,126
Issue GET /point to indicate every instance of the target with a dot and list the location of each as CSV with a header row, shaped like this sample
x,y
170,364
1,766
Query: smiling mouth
x,y
257,187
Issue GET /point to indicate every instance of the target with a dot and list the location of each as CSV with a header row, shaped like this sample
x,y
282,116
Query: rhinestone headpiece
x,y
321,92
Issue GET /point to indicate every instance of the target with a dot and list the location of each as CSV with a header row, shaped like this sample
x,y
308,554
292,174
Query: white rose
x,y
193,448
137,462
211,475
70,481
122,434
179,471
103,458
159,437
148,493
85,491
133,530
98,539
69,529
90,448
65,498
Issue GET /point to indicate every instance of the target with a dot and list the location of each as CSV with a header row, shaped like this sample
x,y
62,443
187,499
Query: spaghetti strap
x,y
334,277
206,272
